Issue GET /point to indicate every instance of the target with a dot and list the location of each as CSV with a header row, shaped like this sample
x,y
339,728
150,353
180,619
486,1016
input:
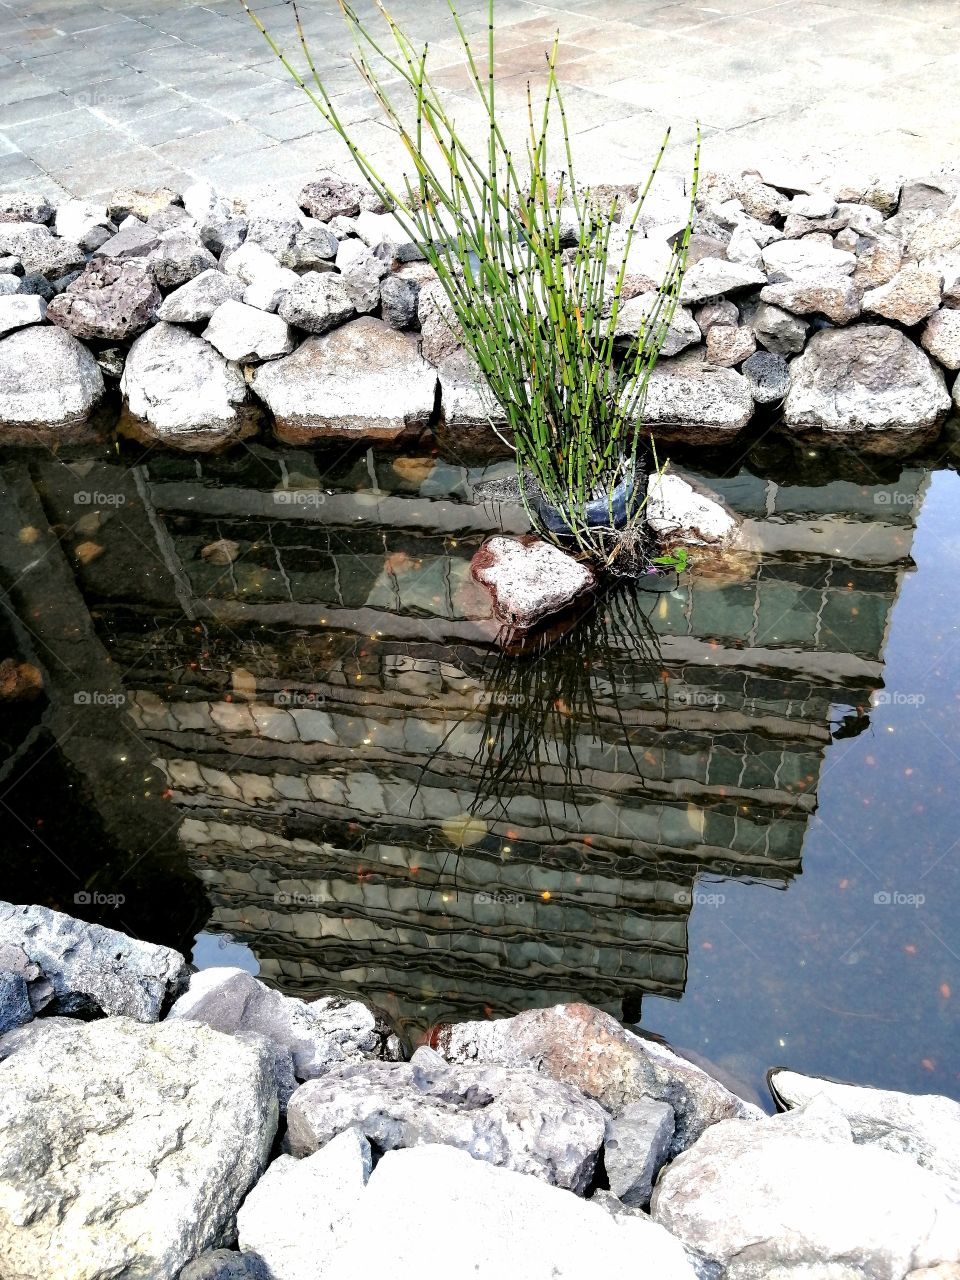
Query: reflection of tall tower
x,y
322,706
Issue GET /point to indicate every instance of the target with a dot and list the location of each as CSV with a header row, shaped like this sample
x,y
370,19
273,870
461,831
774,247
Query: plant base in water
x,y
608,510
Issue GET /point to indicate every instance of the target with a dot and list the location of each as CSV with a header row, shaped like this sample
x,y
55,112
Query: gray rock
x,y
816,292
83,222
768,376
247,334
224,1264
328,196
111,361
744,249
39,285
441,334
759,200
529,581
376,229
15,1008
273,221
924,1127
792,259
179,257
938,236
24,206
251,262
172,217
9,284
40,252
471,413
182,392
314,247
867,384
680,514
130,242
92,969
632,319
763,1199
490,1223
110,300
398,301
299,1207
127,1148
317,302
911,296
711,278
636,1147
777,330
362,380
816,204
140,202
268,291
579,1045
18,310
199,298
697,403
361,273
728,345
49,386
941,337
319,1034
721,312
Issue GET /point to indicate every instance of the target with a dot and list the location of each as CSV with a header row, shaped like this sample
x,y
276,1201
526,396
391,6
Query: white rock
x,y
384,228
529,580
696,403
815,205
247,334
317,302
632,317
711,278
49,385
790,259
199,298
941,336
911,296
268,291
678,513
17,310
744,249
250,262
470,410
77,218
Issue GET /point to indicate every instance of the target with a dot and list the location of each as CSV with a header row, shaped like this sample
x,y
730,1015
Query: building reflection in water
x,y
375,798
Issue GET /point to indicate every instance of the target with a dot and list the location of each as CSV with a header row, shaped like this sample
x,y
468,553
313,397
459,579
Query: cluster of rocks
x,y
156,1123
837,304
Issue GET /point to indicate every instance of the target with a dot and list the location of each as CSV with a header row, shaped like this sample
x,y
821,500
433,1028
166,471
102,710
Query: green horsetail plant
x,y
539,319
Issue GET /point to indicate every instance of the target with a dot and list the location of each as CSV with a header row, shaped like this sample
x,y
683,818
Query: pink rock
x,y
529,579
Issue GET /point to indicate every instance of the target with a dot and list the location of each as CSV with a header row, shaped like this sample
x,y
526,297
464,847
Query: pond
x,y
276,731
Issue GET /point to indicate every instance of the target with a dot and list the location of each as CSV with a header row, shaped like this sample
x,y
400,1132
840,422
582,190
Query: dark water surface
x,y
727,811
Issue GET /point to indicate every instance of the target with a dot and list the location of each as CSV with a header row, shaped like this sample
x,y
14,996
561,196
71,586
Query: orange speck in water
x,y
706,946
546,895
910,949
844,884
870,759
928,1064
945,990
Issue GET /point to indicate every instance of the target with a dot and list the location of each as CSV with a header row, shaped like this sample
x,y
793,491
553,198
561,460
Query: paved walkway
x,y
97,93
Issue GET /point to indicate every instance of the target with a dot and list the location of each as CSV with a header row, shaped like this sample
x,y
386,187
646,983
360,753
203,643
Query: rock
x,y
710,278
179,257
489,1223
111,361
440,329
939,236
40,252
744,249
766,1197
273,221
15,1008
18,310
878,262
320,1034
376,229
317,302
911,296
314,247
704,246
182,392
398,301
722,312
9,283
768,376
579,1045
329,197
141,202
510,1117
946,1271
362,272
224,1264
941,337
267,292
816,292
201,201
24,206
299,1208
85,223
251,262
49,386
471,413
632,317
127,1148
635,1148
699,403
130,242
924,1127
792,259
529,580
247,334
109,299
777,330
816,204
728,346
199,298
363,380
760,201
868,383
678,513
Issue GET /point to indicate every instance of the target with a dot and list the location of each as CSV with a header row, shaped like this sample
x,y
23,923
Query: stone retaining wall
x,y
834,310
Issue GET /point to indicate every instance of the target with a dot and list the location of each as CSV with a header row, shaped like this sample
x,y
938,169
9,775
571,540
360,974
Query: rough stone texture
x,y
179,257
795,1192
768,376
363,379
937,236
710,278
529,580
318,302
141,202
579,1045
329,196
489,1224
398,301
679,513
108,300
24,206
941,337
127,1148
92,969
878,262
250,262
471,413
721,312
49,386
19,310
632,318
635,1148
440,329
911,296
319,1034
744,249
199,298
180,391
832,295
247,334
136,241
267,291
777,330
314,246
376,229
224,1264
728,345
924,1127
791,259
85,223
299,1206
869,384
698,403
15,1008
